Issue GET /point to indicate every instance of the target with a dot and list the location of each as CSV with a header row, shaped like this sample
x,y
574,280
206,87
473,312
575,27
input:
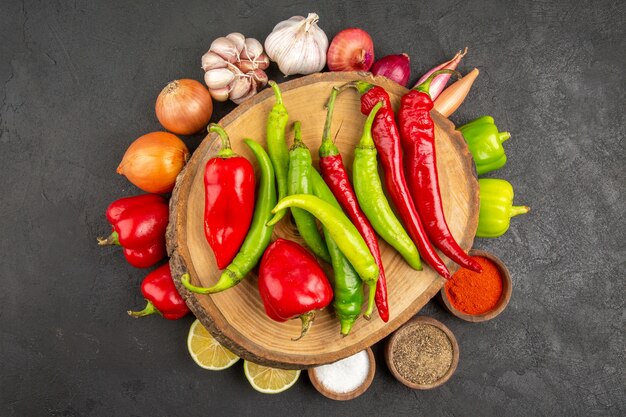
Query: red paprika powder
x,y
475,292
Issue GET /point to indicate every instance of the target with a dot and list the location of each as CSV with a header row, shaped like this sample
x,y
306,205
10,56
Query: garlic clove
x,y
240,87
225,48
219,94
262,61
238,39
218,78
251,93
260,78
245,65
252,49
211,60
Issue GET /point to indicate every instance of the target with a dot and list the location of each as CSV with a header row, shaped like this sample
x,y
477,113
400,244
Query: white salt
x,y
345,375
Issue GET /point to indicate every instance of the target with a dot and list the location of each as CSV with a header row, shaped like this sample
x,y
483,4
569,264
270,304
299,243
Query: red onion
x,y
395,67
351,50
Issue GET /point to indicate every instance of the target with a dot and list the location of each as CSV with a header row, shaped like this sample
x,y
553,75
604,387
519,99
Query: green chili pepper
x,y
258,236
276,145
299,182
347,285
369,192
496,207
343,233
485,144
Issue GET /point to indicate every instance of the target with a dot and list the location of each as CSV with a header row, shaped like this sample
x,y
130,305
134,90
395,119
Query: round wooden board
x,y
236,317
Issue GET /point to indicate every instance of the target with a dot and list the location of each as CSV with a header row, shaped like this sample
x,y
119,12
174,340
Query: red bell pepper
x,y
139,225
159,291
292,284
229,200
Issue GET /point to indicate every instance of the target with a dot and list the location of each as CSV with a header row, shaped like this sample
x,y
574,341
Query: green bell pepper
x,y
485,143
496,207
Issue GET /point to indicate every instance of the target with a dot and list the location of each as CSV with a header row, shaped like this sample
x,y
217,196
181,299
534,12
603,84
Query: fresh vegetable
x,y
229,200
153,162
184,107
347,285
351,50
343,233
496,207
268,380
395,67
207,352
372,199
292,284
485,144
387,141
162,298
417,132
139,225
258,236
276,145
440,81
453,96
335,174
298,45
299,182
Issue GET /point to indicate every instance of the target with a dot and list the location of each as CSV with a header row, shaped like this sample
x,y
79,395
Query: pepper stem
x,y
424,87
361,86
147,311
112,239
277,93
328,148
226,150
370,301
307,321
516,210
366,138
297,136
503,136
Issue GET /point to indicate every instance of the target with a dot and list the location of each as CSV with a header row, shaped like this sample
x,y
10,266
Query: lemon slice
x,y
206,351
269,380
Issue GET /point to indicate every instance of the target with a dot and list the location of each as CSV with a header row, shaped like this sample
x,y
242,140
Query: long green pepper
x,y
258,236
299,182
276,145
347,285
371,197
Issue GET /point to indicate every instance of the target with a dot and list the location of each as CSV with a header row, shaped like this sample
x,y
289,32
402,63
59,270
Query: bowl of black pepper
x,y
422,354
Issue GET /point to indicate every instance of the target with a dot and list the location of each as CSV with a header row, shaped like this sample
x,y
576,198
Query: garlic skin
x,y
298,45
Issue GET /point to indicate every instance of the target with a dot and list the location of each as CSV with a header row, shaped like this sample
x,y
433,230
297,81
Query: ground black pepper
x,y
422,354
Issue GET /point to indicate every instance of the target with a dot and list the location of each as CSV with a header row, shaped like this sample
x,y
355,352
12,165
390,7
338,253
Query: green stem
x,y
503,136
367,142
328,148
112,239
277,93
148,310
297,136
307,321
516,210
361,86
370,300
226,151
227,280
424,87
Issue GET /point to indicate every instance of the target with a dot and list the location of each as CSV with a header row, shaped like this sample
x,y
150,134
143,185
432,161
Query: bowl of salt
x,y
345,379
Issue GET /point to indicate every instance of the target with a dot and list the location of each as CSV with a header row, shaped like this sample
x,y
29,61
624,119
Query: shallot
x,y
440,81
453,96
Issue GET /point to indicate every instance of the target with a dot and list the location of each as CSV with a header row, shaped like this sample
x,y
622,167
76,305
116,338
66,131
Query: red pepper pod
x,y
139,225
229,200
292,283
160,292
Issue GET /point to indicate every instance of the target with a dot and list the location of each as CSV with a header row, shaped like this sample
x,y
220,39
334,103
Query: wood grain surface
x,y
236,317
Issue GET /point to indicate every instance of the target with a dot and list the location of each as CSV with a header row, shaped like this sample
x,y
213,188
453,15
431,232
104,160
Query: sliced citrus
x,y
269,380
206,351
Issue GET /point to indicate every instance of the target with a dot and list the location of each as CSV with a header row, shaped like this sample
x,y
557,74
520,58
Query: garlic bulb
x,y
298,45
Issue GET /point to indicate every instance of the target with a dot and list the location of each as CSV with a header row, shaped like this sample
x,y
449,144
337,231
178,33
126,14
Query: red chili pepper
x,y
159,291
229,200
335,175
139,225
387,141
292,284
417,131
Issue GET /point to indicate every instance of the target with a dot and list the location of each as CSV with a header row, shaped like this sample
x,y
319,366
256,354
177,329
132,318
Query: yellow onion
x,y
153,162
184,107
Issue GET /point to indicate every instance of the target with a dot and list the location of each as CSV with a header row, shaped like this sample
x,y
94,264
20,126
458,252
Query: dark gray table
x,y
78,81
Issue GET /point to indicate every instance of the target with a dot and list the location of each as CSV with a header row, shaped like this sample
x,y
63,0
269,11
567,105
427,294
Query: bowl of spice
x,y
478,296
422,354
345,379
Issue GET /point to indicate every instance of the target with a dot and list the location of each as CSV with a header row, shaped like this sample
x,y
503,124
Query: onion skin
x,y
440,81
153,161
453,96
395,67
184,107
351,50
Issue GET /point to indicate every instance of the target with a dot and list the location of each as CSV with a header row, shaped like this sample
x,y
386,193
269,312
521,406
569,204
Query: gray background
x,y
78,81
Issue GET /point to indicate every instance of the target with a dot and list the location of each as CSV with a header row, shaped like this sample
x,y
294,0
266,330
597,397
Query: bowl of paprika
x,y
478,296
